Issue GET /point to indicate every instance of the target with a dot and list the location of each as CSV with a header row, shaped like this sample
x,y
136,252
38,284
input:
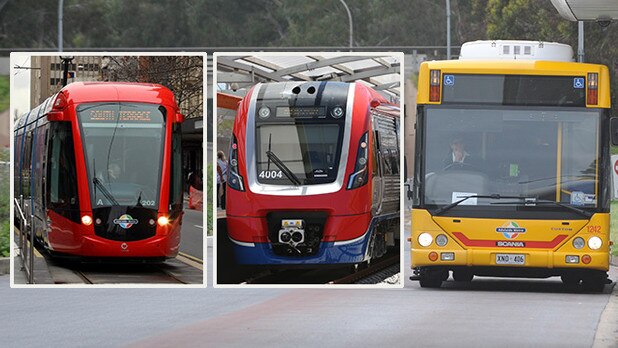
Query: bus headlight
x,y
425,239
578,243
441,240
595,243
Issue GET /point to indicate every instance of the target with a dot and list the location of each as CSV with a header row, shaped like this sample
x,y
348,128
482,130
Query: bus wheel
x,y
463,275
431,279
570,279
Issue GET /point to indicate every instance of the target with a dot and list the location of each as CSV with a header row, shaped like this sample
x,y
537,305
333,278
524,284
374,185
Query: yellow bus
x,y
511,169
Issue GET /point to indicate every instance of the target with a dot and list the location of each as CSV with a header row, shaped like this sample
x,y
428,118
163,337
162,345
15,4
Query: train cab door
x,y
377,181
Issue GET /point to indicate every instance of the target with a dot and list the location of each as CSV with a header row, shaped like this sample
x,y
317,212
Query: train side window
x,y
374,155
26,165
62,178
176,169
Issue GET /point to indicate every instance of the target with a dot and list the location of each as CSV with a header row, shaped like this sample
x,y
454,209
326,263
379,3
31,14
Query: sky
x,y
20,88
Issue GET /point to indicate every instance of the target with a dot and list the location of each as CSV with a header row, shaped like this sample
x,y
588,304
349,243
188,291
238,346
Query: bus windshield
x,y
536,153
123,145
298,154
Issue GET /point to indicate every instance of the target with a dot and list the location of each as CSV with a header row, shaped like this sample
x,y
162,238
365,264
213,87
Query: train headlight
x,y
578,243
336,112
163,221
87,220
441,240
360,175
595,243
425,239
264,112
234,179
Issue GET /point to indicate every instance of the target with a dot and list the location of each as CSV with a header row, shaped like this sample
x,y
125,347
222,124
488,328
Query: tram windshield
x,y
123,146
523,155
298,154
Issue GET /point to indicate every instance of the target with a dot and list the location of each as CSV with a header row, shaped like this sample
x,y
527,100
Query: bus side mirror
x,y
179,118
405,178
613,127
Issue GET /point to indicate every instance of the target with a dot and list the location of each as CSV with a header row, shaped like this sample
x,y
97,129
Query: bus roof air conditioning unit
x,y
516,50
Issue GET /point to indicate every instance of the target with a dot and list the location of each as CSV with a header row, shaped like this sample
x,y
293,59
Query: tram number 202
x,y
271,174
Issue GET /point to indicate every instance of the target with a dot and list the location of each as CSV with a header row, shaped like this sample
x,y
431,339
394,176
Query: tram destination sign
x,y
119,116
526,90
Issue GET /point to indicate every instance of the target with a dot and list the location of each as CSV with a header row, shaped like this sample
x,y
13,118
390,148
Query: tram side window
x,y
176,169
62,179
27,165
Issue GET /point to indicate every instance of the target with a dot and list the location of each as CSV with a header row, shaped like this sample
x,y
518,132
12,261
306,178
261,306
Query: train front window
x,y
123,145
298,154
543,154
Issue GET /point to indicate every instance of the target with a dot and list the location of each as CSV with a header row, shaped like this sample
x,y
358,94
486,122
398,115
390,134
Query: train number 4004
x,y
271,174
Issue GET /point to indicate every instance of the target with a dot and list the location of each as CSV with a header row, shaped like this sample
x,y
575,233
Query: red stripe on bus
x,y
492,243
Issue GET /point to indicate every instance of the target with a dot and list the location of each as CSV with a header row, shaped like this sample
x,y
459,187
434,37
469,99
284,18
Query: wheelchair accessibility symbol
x,y
449,80
579,82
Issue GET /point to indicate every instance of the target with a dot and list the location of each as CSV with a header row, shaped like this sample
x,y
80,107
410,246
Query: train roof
x,y
282,88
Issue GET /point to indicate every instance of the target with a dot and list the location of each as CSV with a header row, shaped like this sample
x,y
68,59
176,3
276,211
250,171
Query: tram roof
x,y
82,92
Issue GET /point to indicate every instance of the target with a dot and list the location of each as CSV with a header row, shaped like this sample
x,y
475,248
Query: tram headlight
x,y
578,243
425,239
595,243
87,220
441,240
163,221
234,180
360,175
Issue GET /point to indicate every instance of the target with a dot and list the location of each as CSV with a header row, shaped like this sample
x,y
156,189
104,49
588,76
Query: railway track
x,y
388,265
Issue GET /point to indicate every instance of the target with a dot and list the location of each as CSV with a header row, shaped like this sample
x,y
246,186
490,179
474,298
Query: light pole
x,y
60,10
448,29
351,24
580,41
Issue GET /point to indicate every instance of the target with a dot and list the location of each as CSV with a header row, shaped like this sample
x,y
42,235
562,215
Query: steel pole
x,y
448,29
60,10
580,41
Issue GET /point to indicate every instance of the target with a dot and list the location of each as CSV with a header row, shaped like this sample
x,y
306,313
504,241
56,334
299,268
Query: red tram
x,y
313,175
98,165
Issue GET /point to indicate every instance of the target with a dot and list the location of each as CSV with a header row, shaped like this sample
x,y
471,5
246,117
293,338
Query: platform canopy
x,y
379,72
587,10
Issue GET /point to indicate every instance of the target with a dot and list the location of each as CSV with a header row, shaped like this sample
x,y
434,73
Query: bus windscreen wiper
x,y
97,183
532,201
286,171
456,203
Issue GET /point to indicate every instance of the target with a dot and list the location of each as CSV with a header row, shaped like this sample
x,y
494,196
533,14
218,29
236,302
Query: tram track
x,y
181,270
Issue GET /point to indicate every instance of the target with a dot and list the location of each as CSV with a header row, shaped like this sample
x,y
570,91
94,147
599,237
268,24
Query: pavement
x,y
488,312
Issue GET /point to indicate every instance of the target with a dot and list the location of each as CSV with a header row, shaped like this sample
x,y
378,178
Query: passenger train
x,y
314,174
